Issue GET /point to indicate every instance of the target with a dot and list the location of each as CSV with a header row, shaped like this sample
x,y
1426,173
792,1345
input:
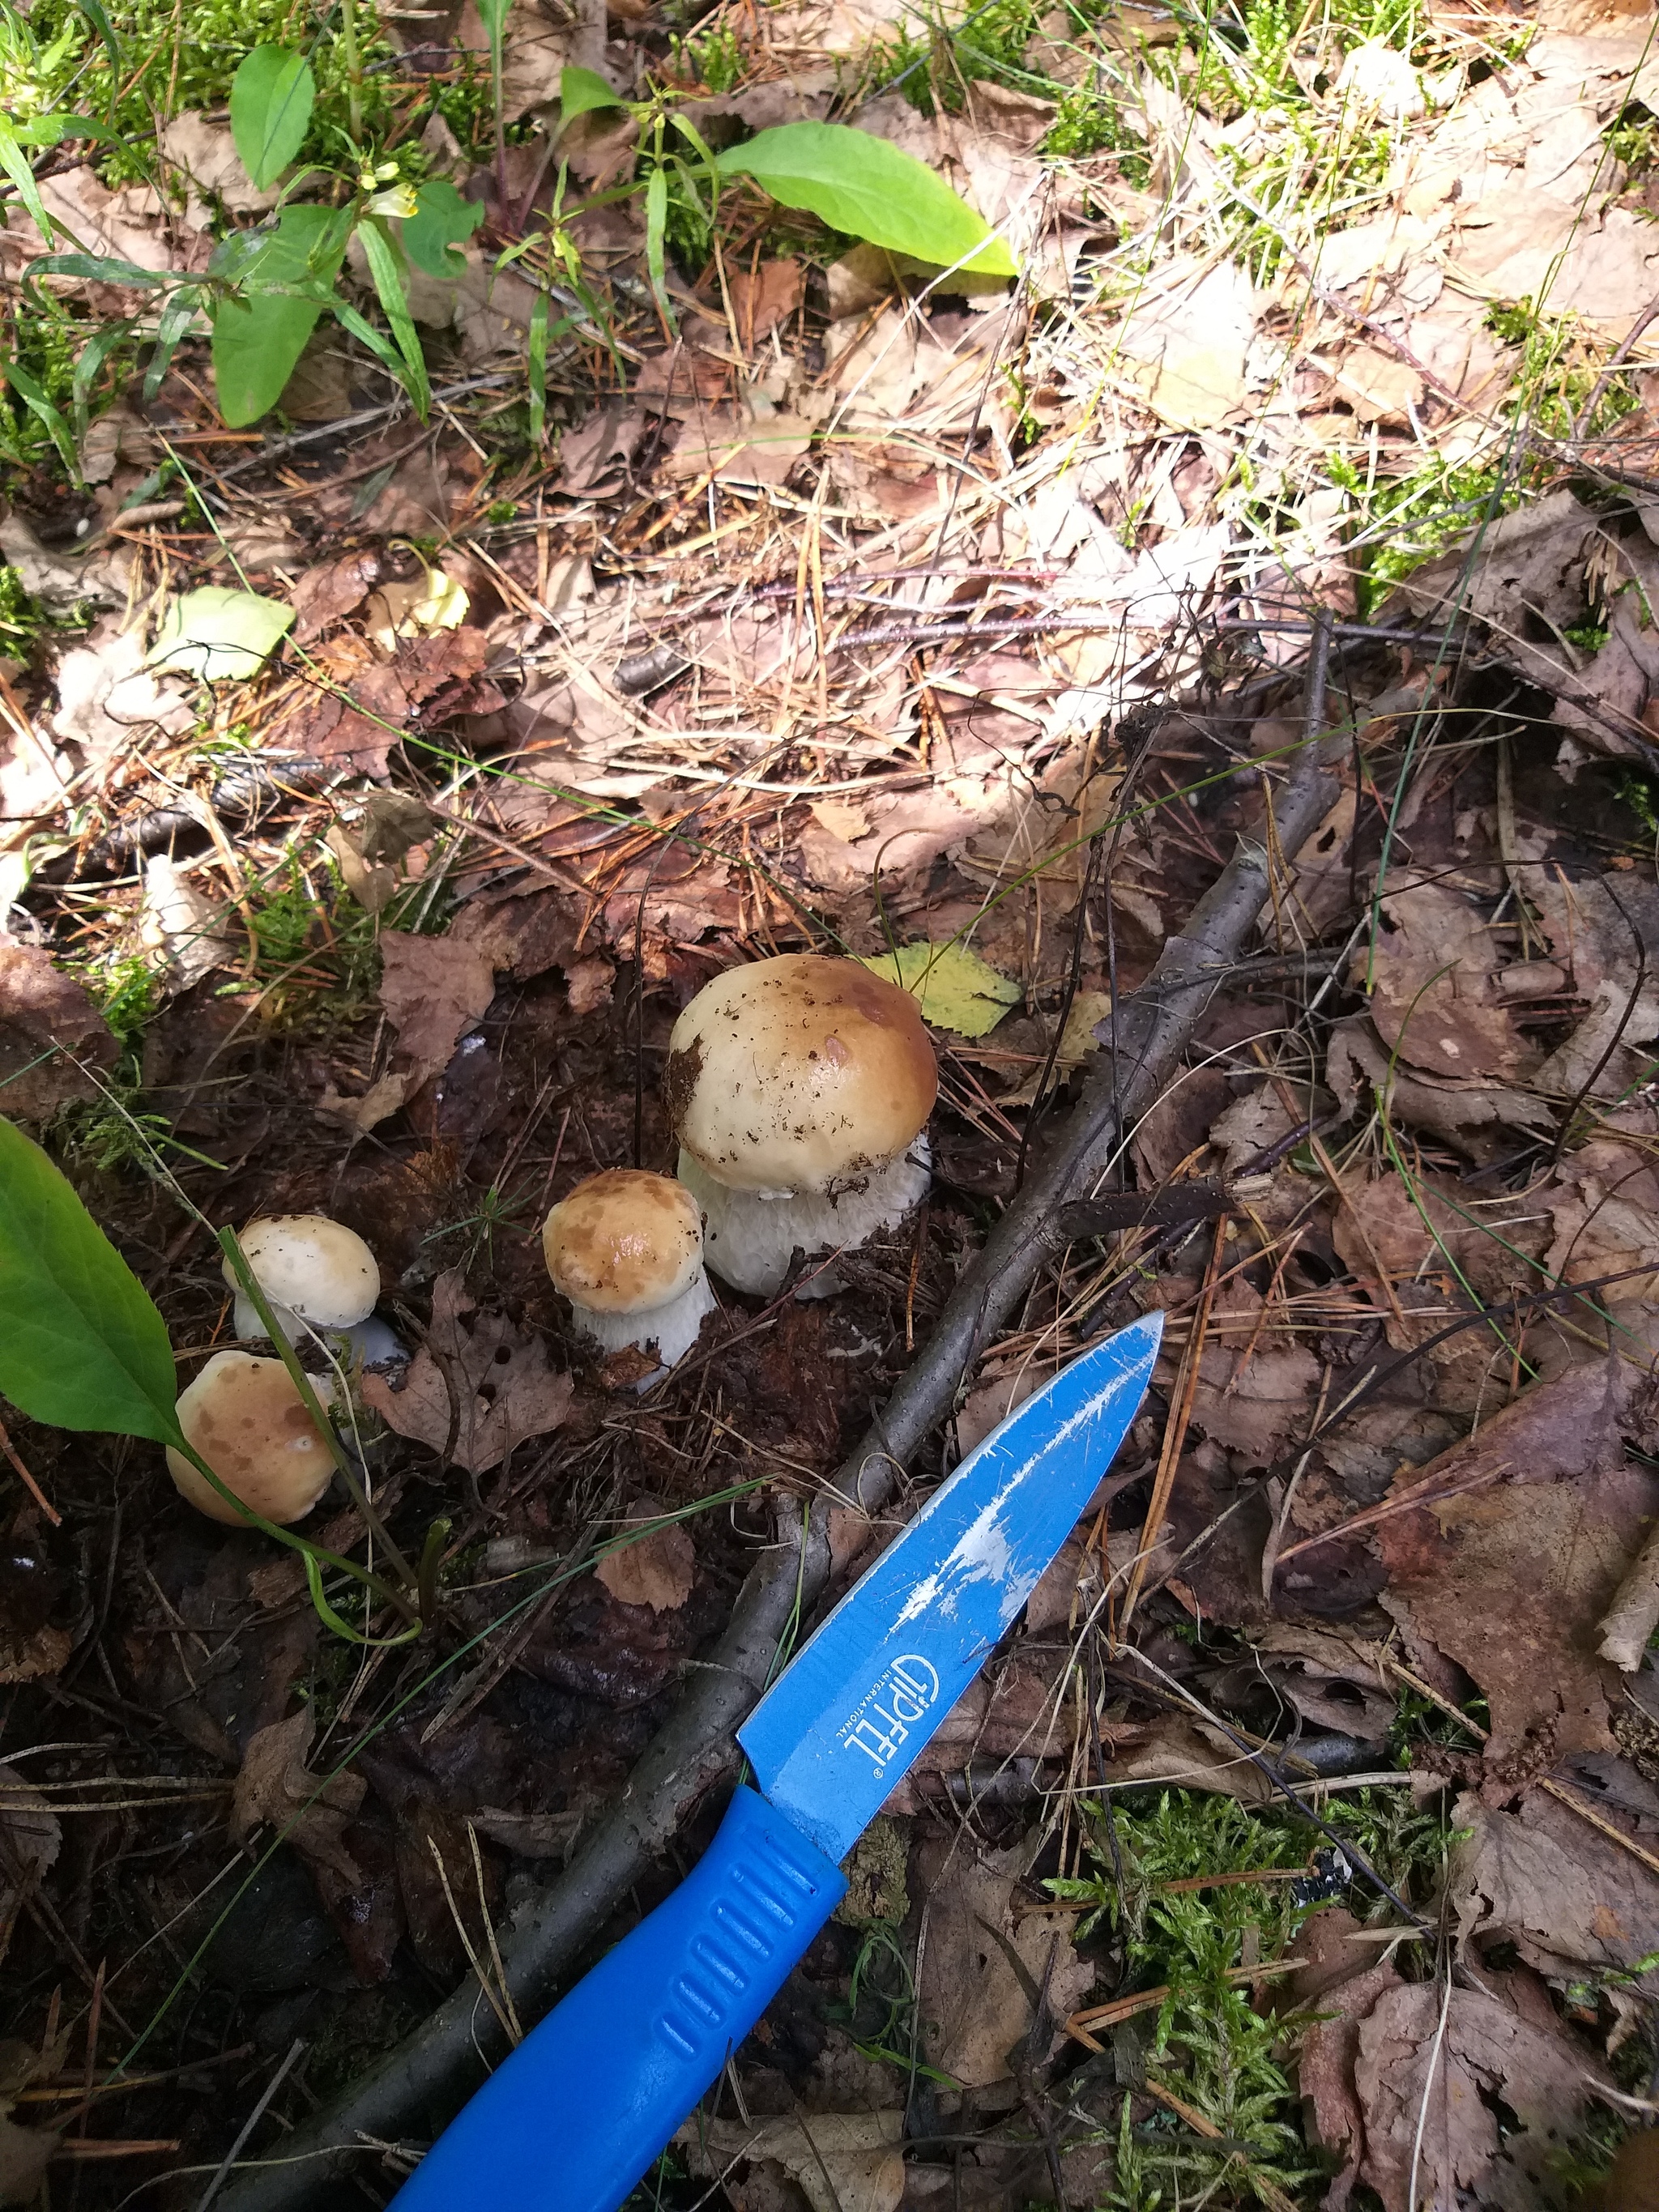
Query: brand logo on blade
x,y
904,1692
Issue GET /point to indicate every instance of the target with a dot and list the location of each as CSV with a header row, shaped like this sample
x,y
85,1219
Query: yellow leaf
x,y
957,989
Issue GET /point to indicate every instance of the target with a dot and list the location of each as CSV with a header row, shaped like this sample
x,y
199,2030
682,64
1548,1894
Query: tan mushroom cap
x,y
249,1423
798,1073
316,1267
624,1241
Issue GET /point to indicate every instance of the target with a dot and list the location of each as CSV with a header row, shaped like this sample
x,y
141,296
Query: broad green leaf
x,y
80,1343
582,90
223,634
442,220
258,339
956,990
870,189
271,96
493,16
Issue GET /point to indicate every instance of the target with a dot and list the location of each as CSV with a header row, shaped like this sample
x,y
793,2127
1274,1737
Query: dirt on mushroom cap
x,y
623,1242
797,1074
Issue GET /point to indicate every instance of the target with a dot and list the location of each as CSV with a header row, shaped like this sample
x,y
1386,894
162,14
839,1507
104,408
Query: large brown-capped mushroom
x,y
799,1089
249,1423
318,1275
626,1249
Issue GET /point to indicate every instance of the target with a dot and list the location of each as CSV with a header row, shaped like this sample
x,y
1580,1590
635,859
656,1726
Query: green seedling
x,y
83,1347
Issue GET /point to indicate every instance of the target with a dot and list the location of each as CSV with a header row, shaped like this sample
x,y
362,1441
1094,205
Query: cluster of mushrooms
x,y
798,1091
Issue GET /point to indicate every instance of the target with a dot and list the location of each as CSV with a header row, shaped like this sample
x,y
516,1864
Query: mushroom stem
x,y
283,1343
672,1328
749,1239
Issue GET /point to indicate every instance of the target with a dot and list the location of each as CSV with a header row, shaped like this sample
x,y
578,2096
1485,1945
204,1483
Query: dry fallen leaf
x,y
1433,997
276,1788
434,989
656,1569
477,1387
1540,1498
840,2161
1571,1901
976,2000
1451,2141
25,2154
360,729
48,1023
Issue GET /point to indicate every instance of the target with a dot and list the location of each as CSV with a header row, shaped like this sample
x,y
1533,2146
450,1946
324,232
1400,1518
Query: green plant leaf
x,y
271,97
101,268
871,189
383,267
492,13
442,220
33,396
16,165
956,990
258,338
582,90
220,634
81,1346
656,232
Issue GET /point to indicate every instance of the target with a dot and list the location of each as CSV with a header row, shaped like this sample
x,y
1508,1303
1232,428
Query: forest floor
x,y
743,590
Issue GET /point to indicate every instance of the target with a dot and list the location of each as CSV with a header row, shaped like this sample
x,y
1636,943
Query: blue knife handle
x,y
576,2115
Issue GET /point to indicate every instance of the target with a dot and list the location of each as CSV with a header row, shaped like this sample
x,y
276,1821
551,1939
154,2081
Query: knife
x,y
585,2104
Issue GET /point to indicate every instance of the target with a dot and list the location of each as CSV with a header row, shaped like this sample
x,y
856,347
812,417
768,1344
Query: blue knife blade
x,y
830,1741
579,2111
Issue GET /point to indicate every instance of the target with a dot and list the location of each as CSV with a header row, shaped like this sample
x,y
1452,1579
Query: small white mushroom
x,y
626,1249
315,1272
800,1089
249,1423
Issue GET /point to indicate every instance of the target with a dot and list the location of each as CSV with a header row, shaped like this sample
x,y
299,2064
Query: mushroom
x,y
318,1275
249,1423
799,1089
626,1249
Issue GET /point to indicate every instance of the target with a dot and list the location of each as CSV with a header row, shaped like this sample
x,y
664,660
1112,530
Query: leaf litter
x,y
375,788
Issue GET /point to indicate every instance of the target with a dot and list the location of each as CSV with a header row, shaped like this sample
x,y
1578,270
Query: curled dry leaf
x,y
276,1788
1433,999
840,2161
432,990
1570,1900
1536,1518
977,1988
1427,2095
477,1387
656,1569
48,1024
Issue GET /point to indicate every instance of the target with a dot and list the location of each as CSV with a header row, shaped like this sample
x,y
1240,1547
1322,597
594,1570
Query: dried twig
x,y
438,2066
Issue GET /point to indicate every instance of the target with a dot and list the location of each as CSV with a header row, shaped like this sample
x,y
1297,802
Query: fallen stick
x,y
421,2084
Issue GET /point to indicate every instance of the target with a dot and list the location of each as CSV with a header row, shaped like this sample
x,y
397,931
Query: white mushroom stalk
x,y
317,1274
800,1089
626,1249
244,1416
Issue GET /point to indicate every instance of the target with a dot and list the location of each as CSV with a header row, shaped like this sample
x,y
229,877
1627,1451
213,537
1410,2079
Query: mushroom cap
x,y
624,1241
798,1073
316,1267
250,1424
